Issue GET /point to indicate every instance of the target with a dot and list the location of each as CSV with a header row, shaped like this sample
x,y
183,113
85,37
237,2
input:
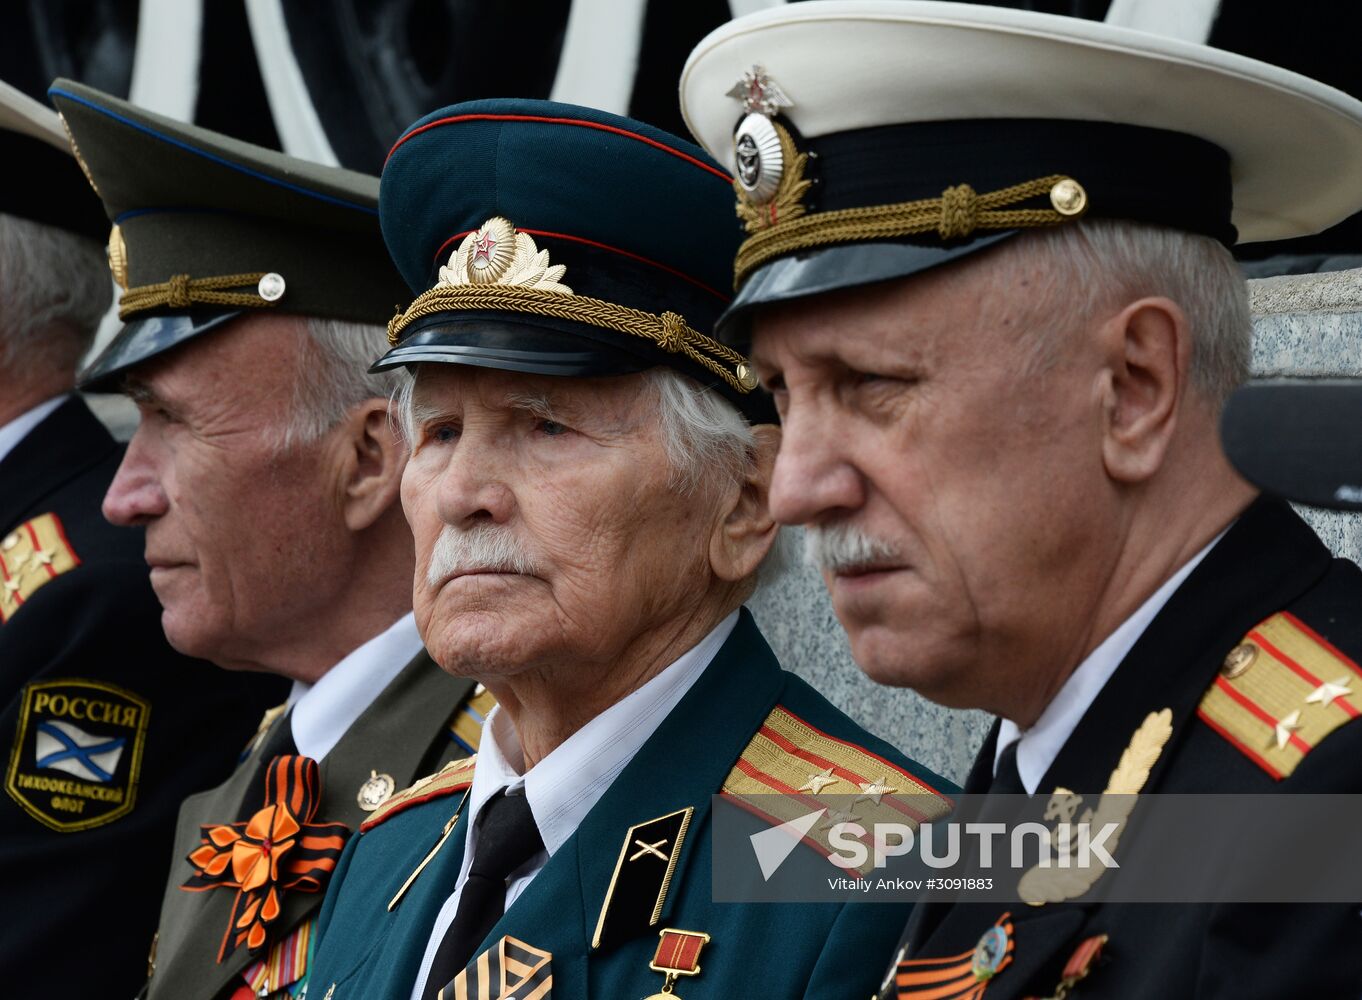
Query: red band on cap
x,y
444,247
562,121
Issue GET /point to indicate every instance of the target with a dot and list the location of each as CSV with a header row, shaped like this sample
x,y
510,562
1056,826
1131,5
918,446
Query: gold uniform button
x,y
1238,661
746,377
1068,197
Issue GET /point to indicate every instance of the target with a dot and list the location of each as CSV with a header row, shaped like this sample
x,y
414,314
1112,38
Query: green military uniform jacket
x,y
824,950
403,733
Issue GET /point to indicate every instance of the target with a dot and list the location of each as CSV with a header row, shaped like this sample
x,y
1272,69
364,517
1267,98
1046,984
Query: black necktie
x,y
507,838
1006,778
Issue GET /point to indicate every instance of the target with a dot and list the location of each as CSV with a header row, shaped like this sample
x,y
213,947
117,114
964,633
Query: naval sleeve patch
x,y
1280,692
791,768
77,753
455,776
31,555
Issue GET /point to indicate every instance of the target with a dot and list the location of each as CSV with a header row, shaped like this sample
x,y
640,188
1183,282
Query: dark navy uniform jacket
x,y
105,728
1269,584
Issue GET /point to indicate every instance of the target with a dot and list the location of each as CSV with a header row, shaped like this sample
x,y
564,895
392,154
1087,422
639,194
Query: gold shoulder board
x,y
792,768
1280,692
455,776
31,555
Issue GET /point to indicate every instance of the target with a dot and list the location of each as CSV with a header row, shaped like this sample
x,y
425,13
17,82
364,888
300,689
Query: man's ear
x,y
372,457
1147,348
746,533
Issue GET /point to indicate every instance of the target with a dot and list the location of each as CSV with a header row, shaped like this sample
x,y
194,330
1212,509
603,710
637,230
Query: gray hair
x,y
54,289
1100,264
334,377
705,438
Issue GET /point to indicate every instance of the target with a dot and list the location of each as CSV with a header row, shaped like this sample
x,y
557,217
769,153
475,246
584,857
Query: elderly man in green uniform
x,y
587,488
265,471
100,749
986,275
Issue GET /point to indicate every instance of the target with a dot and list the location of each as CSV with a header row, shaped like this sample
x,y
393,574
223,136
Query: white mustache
x,y
839,547
485,549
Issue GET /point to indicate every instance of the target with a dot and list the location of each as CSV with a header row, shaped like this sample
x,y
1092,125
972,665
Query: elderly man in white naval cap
x,y
987,276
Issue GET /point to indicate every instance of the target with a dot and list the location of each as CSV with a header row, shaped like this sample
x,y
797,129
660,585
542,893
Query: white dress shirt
x,y
1040,744
566,785
323,711
18,428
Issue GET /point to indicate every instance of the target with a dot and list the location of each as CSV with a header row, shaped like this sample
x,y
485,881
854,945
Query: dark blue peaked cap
x,y
560,240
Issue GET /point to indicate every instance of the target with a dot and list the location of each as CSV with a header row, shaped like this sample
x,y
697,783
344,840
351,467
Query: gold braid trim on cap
x,y
669,330
958,213
182,291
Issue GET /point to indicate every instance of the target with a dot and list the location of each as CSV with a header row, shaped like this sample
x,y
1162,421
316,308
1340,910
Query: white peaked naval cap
x,y
882,105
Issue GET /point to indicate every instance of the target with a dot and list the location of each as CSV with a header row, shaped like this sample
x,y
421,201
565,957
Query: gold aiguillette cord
x,y
444,835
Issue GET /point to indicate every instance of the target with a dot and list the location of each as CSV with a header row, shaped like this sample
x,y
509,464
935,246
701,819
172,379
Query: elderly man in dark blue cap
x,y
587,489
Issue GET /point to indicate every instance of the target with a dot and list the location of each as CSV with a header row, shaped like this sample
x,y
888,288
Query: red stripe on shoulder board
x,y
1323,641
415,800
1243,748
868,752
562,121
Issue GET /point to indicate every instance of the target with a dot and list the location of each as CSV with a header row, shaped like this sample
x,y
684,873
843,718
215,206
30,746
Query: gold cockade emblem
x,y
496,254
118,257
768,171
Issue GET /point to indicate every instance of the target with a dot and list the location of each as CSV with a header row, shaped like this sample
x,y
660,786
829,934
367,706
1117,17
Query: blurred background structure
x,y
336,81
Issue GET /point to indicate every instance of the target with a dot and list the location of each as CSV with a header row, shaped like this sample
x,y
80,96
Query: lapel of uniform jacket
x,y
192,923
61,447
1267,558
680,766
1264,561
404,733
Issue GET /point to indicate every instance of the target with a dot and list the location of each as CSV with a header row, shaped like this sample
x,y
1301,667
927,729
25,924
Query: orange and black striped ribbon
x,y
952,977
278,849
510,969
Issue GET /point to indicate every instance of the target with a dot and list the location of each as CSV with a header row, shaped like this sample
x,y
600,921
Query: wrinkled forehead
x,y
222,369
926,317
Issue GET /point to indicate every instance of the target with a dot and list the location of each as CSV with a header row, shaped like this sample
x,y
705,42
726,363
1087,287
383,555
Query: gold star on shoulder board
x,y
1281,733
836,816
1325,694
873,790
817,782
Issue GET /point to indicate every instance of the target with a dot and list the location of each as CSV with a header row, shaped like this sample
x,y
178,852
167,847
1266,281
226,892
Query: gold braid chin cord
x,y
958,213
669,330
182,291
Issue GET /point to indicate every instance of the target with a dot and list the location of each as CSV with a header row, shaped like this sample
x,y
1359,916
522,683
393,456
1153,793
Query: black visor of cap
x,y
1128,171
145,338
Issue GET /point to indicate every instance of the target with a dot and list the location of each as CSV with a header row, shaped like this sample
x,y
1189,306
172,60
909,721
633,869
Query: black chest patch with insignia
x,y
643,873
77,753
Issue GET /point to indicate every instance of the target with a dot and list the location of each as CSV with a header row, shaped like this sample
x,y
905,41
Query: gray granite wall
x,y
1307,325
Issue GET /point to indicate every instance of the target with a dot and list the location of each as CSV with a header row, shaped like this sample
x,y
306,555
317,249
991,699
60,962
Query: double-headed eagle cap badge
x,y
758,149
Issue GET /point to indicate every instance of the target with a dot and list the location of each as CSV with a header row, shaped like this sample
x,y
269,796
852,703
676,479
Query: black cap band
x,y
1129,171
